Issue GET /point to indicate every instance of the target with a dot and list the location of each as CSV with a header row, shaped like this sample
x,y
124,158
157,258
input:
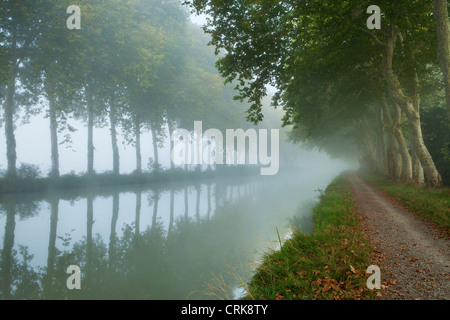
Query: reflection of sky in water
x,y
273,202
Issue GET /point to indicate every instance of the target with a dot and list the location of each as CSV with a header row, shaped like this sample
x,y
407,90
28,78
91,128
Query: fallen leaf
x,y
279,296
326,288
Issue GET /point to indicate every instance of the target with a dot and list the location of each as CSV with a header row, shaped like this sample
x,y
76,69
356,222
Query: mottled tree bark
x,y
409,106
394,158
403,148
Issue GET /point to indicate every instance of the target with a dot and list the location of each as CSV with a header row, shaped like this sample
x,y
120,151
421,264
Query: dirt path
x,y
413,258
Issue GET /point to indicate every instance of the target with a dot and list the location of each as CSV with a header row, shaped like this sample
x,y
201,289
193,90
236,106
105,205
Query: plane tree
x,y
285,42
21,25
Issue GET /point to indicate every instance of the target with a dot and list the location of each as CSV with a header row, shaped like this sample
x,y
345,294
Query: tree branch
x,y
374,38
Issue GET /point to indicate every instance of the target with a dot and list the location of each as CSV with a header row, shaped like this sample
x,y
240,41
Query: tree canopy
x,y
331,71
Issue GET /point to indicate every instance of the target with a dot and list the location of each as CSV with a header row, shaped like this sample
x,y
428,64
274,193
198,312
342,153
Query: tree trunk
x,y
54,204
155,210
89,240
393,154
53,129
115,148
407,104
417,169
7,252
432,176
90,142
208,214
170,127
368,161
11,155
381,144
403,148
443,35
138,212
155,147
172,197
137,127
197,205
112,235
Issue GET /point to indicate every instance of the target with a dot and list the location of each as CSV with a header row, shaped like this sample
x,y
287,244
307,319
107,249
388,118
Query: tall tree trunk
x,y
137,128
367,160
393,154
89,241
8,244
208,213
115,148
155,147
432,176
381,144
417,169
11,155
138,212
112,235
54,204
170,127
407,104
90,142
398,160
197,205
403,148
50,88
172,197
155,209
186,203
443,35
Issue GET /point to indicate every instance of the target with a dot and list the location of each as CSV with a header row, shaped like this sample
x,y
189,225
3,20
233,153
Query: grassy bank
x,y
32,182
328,264
431,204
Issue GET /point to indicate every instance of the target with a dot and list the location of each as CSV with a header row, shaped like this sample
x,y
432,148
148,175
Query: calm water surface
x,y
174,241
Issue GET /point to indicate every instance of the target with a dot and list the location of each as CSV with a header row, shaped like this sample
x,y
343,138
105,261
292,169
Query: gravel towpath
x,y
413,257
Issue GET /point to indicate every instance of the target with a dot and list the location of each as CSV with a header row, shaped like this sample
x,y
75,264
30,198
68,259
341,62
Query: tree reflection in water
x,y
182,260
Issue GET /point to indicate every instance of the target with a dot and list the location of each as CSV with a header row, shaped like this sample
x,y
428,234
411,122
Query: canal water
x,y
177,240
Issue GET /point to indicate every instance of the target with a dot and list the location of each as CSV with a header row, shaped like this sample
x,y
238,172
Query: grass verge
x,y
72,181
428,203
328,264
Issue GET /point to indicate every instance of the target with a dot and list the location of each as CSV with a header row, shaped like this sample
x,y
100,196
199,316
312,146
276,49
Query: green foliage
x,y
436,134
136,64
28,172
323,61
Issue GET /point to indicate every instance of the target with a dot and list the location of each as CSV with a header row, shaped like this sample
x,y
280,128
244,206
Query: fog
x,y
33,147
99,189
